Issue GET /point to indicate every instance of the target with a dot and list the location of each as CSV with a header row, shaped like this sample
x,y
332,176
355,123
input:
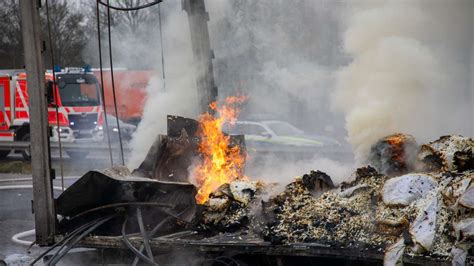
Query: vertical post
x,y
43,201
470,89
198,18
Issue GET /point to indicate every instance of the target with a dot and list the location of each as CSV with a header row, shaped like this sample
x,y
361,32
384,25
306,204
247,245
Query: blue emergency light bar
x,y
87,68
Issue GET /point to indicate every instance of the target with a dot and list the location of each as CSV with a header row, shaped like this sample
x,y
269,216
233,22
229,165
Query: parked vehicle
x,y
80,112
283,139
76,96
126,129
130,92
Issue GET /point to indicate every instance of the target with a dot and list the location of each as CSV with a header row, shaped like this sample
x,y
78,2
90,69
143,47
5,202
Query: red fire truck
x,y
77,97
130,90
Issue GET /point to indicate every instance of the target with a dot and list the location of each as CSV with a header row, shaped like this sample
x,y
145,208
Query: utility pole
x,y
43,200
203,55
470,89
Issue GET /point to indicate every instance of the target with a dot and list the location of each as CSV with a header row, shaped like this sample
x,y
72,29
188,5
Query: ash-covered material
x,y
426,213
417,211
332,218
230,207
448,153
403,190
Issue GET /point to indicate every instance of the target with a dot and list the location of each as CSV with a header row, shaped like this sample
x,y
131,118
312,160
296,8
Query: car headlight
x,y
100,128
62,130
115,129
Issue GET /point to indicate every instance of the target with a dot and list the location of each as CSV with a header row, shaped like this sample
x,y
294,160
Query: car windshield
x,y
78,90
283,128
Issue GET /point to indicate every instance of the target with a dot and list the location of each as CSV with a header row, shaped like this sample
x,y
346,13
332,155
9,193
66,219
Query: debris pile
x,y
338,217
394,154
448,153
429,212
229,207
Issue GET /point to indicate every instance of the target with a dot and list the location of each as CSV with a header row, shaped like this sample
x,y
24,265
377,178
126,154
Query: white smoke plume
x,y
399,78
178,97
274,169
400,69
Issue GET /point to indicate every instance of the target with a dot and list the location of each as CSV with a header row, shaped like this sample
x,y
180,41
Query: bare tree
x,y
67,28
68,33
133,34
11,46
133,19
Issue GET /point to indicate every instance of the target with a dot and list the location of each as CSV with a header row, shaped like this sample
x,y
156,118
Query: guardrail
x,y
83,146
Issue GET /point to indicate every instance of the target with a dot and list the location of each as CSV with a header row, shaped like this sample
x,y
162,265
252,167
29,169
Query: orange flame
x,y
221,162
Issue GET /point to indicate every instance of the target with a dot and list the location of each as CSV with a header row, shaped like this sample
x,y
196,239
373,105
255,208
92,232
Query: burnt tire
x,y
77,155
26,153
4,154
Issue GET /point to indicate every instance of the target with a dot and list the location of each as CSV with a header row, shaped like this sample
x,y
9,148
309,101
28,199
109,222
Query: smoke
x,y
174,96
403,77
393,66
273,169
283,55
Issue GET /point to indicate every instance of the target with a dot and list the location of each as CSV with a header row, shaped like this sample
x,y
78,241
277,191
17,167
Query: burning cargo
x,y
425,212
418,201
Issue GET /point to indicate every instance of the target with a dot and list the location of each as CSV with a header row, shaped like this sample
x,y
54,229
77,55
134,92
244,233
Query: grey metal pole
x,y
198,18
43,201
470,89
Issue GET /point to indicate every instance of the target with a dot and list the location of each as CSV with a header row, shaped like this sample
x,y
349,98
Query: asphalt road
x,y
71,166
15,204
16,215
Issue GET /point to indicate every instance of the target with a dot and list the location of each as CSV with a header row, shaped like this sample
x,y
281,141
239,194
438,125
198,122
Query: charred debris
x,y
413,201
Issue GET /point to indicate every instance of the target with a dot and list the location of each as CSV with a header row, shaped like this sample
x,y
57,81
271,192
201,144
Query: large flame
x,y
221,162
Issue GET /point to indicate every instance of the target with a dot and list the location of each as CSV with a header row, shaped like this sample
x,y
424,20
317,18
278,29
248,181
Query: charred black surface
x,y
448,153
98,194
432,162
175,159
464,160
176,124
318,182
394,154
362,174
171,156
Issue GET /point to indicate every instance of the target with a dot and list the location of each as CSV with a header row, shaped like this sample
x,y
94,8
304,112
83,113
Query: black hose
x,y
113,83
56,108
72,234
213,261
53,260
162,49
155,229
221,258
130,8
115,205
176,216
129,245
102,86
146,241
152,233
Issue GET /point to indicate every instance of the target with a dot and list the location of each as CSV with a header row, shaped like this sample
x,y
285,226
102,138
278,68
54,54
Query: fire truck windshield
x,y
78,90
